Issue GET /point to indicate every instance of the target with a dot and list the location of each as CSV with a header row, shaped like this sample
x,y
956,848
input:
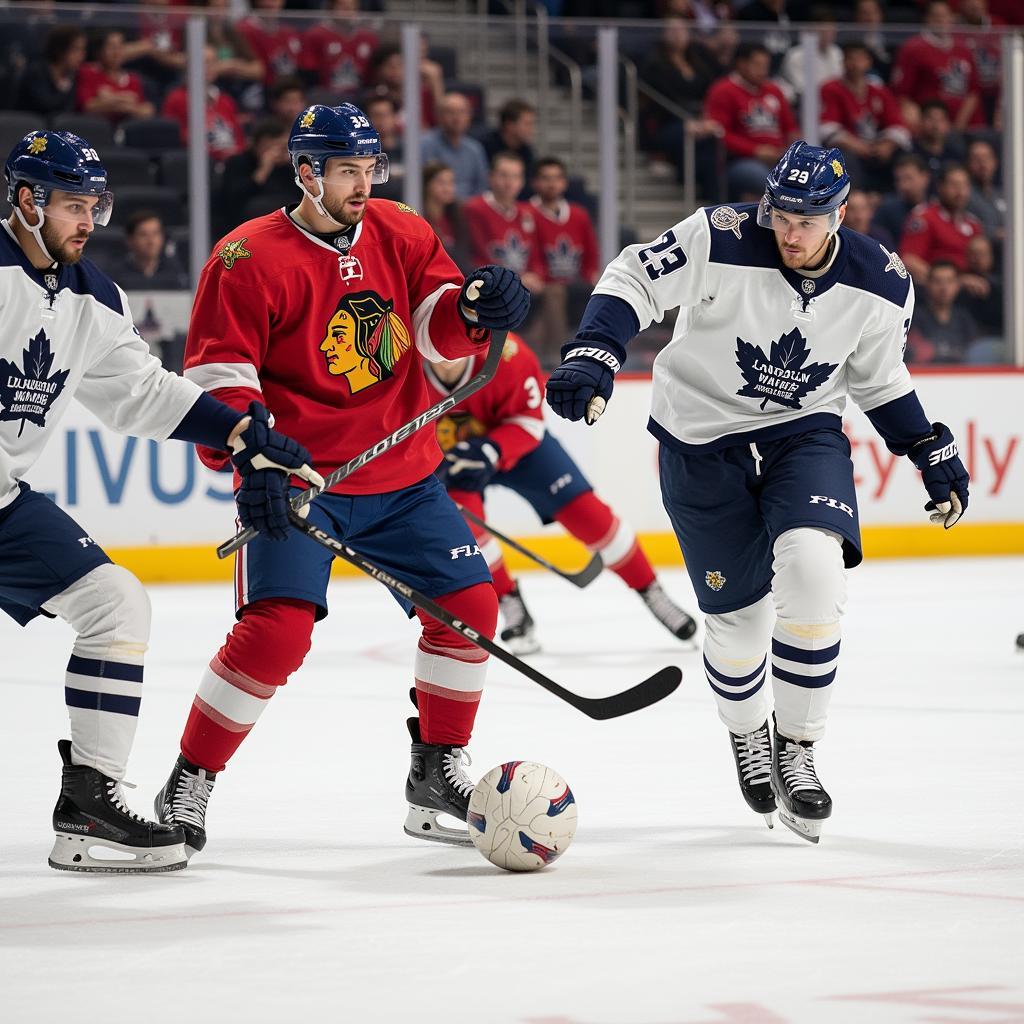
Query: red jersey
x,y
567,243
873,115
339,58
508,410
927,71
93,80
507,237
933,234
750,117
223,132
330,339
275,43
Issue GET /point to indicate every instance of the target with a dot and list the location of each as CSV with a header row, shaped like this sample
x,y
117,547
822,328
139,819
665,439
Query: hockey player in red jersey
x,y
324,312
497,436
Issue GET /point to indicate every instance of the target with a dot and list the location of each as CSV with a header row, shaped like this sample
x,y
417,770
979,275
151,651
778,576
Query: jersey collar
x,y
333,249
811,287
439,385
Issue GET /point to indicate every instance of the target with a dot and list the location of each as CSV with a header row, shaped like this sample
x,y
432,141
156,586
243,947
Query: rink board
x,y
157,510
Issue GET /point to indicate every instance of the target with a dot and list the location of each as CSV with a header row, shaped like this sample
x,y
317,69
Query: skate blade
x,y
423,823
769,820
805,828
73,853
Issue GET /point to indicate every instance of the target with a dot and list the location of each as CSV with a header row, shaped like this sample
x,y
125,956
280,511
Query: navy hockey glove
x,y
494,297
945,476
582,385
265,459
469,465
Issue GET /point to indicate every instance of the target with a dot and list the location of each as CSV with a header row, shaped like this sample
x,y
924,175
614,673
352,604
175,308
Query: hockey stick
x,y
650,691
586,575
474,384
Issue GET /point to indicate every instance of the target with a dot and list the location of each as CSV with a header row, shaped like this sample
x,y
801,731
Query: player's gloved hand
x,y
469,465
494,297
265,459
582,385
945,476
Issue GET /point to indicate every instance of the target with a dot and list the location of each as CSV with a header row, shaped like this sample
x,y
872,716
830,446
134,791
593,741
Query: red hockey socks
x,y
590,520
489,547
450,670
264,648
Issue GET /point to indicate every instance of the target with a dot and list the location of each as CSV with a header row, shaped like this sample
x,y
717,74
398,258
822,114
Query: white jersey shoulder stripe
x,y
211,376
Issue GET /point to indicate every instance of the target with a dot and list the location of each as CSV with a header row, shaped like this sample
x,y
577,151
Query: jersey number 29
x,y
662,257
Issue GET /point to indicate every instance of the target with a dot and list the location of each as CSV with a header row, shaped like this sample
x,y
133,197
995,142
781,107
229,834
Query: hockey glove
x,y
265,459
945,476
470,465
582,385
494,297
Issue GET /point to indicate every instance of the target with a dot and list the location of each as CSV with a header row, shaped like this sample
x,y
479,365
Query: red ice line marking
x,y
926,892
545,897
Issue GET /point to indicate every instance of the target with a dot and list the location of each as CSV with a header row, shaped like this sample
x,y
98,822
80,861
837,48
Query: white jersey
x,y
69,333
760,351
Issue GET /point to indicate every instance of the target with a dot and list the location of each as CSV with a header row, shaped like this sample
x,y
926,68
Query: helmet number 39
x,y
359,122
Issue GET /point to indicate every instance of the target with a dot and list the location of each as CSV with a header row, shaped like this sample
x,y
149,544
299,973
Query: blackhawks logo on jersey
x,y
231,252
781,376
28,392
364,340
454,427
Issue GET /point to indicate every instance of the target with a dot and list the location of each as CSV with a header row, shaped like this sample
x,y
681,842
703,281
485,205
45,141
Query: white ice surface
x,y
674,905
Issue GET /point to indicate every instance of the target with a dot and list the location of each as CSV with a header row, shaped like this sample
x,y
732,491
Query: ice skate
x,y
436,785
1020,641
803,802
91,817
183,801
518,634
753,754
667,612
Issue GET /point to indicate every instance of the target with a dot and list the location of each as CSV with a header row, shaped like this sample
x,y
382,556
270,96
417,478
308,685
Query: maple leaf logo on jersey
x,y
781,378
231,252
27,394
364,340
511,253
563,260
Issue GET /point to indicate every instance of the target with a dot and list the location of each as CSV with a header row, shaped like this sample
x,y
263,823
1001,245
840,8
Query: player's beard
x,y
62,252
802,261
336,208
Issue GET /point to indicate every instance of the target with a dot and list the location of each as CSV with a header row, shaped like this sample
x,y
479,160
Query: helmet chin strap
x,y
37,231
317,200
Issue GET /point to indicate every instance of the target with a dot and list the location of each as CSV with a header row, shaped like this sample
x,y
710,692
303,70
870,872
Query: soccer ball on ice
x,y
522,816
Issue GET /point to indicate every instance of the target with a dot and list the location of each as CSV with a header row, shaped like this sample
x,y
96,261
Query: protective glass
x,y
61,207
767,217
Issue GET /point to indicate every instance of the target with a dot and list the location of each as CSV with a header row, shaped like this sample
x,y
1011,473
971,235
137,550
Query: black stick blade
x,y
655,688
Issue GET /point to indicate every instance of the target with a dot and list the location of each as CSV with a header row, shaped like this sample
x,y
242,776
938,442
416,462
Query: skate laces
x,y
754,752
798,767
452,766
116,797
191,795
664,608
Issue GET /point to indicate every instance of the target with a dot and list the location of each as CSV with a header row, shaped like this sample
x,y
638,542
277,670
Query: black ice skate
x,y
183,802
436,785
803,802
667,612
91,816
1020,641
518,634
753,754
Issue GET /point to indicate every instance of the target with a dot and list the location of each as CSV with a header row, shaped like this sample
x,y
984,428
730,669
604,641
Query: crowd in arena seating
x,y
917,114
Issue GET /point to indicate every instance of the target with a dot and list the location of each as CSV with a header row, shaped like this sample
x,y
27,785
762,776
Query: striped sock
x,y
804,662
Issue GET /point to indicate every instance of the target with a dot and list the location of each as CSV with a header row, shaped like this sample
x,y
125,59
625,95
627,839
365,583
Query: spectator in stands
x,y
276,43
981,292
934,66
262,170
146,263
862,117
940,230
934,139
241,71
912,181
157,51
867,15
985,43
386,78
47,86
517,128
778,40
827,57
942,332
443,212
502,229
287,98
449,144
987,202
105,88
383,116
565,235
338,50
860,210
755,118
223,132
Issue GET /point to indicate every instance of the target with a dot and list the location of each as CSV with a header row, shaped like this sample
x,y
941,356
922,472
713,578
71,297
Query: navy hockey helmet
x,y
49,161
808,180
321,132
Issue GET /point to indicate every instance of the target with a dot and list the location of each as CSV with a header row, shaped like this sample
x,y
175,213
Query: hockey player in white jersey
x,y
67,332
776,328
